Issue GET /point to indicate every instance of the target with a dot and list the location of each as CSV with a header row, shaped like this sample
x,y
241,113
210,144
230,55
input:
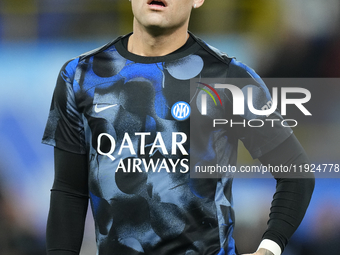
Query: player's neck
x,y
143,43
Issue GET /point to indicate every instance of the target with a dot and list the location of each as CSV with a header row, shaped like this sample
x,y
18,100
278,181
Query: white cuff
x,y
271,246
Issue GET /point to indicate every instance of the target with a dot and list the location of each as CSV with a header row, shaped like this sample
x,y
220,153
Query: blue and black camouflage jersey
x,y
139,120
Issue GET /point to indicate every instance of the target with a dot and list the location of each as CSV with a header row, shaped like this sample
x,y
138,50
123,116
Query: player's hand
x,y
260,252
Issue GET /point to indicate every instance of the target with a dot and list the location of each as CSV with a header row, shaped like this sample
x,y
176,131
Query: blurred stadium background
x,y
282,38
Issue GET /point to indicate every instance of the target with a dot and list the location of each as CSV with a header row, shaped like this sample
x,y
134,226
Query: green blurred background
x,y
278,38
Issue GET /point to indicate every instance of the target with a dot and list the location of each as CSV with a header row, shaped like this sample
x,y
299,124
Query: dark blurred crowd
x,y
16,239
306,57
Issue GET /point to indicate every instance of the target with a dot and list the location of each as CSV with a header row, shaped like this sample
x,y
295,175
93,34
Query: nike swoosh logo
x,y
100,109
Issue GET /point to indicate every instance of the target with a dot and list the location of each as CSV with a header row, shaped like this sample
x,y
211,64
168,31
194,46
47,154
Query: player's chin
x,y
157,28
163,27
155,21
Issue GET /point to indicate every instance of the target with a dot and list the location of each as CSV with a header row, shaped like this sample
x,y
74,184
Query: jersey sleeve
x,y
64,128
259,133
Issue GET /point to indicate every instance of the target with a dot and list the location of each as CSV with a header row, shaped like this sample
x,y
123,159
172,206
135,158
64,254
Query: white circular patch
x,y
185,68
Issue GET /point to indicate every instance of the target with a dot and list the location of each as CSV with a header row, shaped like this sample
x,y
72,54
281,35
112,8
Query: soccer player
x,y
120,123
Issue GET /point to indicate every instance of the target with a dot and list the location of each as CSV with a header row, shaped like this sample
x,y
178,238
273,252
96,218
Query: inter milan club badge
x,y
181,110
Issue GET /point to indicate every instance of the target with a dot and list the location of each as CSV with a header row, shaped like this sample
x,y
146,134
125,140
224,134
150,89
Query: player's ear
x,y
197,3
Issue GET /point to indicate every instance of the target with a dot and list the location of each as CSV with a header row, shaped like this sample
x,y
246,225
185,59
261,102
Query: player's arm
x,y
292,196
261,251
276,145
68,206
